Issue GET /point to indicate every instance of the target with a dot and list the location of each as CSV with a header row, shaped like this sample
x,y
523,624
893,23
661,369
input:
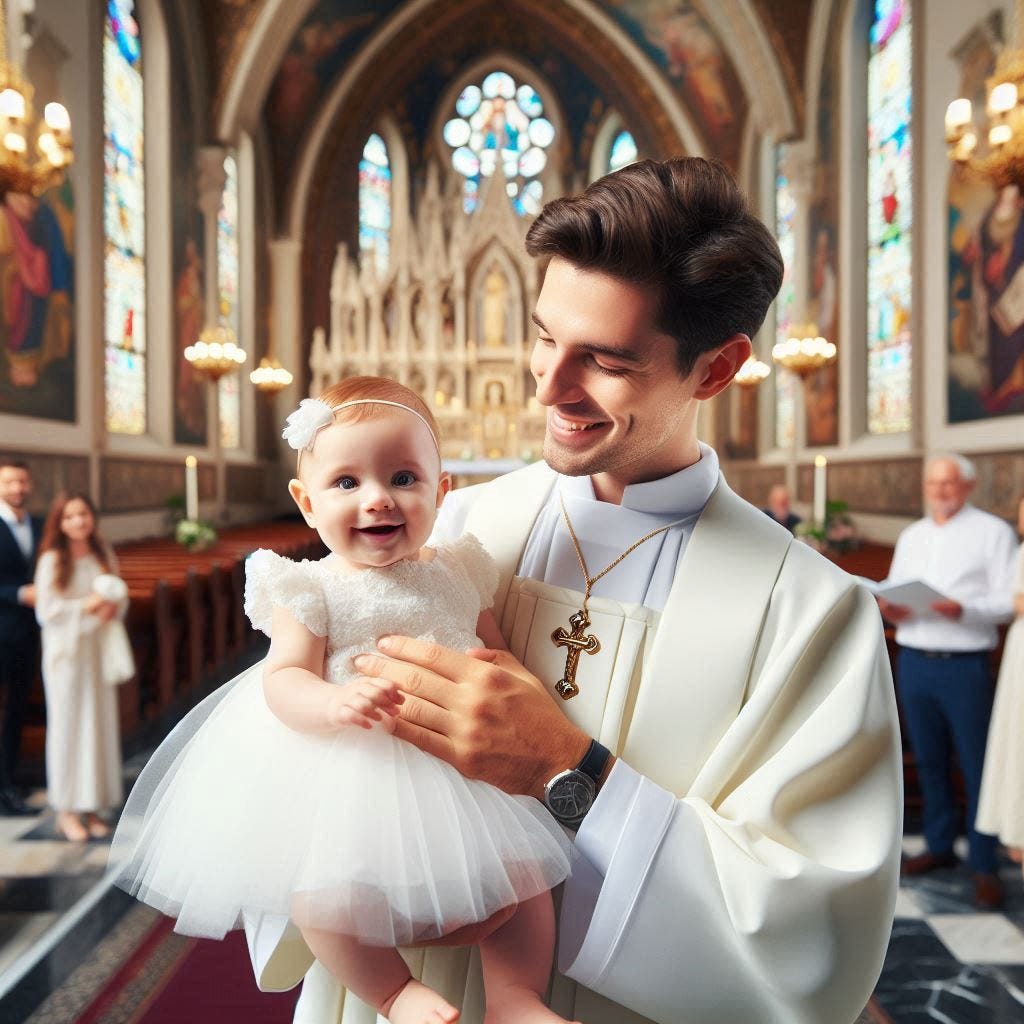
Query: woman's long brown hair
x,y
54,538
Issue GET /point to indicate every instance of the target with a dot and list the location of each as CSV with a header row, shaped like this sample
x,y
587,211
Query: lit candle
x,y
820,469
191,488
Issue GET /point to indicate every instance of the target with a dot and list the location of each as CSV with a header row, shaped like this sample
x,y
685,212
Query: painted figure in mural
x,y
35,287
494,304
996,259
189,394
821,392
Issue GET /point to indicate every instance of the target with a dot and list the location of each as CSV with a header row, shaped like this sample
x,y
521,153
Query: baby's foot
x,y
519,1006
417,1004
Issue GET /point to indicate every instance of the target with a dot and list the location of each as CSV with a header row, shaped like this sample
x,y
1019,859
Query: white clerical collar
x,y
683,493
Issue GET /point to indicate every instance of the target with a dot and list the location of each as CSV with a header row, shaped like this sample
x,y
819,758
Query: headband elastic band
x,y
397,405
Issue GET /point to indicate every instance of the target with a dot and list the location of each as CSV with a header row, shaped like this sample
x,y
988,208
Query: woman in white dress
x,y
1001,804
83,747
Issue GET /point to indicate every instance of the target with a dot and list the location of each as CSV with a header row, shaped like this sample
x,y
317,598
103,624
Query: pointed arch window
x,y
623,151
228,387
501,122
785,383
889,217
124,221
375,203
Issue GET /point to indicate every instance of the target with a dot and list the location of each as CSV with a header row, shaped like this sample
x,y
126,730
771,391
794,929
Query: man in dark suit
x,y
778,508
19,635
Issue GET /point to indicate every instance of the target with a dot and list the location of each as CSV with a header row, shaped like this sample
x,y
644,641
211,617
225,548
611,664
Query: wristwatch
x,y
570,794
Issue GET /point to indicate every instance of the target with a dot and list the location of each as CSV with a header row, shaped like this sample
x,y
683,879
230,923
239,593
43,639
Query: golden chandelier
x,y
23,168
215,353
804,351
1001,159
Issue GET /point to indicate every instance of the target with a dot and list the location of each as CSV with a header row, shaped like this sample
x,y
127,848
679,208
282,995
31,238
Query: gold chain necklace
x,y
575,642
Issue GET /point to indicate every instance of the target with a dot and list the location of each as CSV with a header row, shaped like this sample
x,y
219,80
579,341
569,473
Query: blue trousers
x,y
947,703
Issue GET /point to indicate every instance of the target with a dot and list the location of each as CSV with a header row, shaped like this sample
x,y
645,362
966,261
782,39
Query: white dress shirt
x,y
20,528
969,558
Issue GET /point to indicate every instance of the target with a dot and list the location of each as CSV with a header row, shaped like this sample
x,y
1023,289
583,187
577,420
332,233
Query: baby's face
x,y
372,489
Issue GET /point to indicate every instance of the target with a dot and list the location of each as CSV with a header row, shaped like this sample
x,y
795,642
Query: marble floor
x,y
946,962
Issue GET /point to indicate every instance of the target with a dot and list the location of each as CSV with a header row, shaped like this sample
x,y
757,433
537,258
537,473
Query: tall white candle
x,y
820,471
191,488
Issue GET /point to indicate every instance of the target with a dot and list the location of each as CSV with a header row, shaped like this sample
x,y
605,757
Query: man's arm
x,y
768,887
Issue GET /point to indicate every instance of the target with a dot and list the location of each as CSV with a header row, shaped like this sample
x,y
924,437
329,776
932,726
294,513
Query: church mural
x,y
37,367
985,341
189,389
677,37
821,391
331,33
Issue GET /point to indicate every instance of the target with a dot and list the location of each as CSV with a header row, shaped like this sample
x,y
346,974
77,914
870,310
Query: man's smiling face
x,y
618,406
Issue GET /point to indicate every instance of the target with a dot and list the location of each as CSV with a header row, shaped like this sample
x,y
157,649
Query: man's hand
x,y
894,612
948,609
483,712
27,595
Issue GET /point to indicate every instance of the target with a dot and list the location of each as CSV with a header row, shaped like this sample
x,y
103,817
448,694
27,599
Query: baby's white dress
x,y
353,831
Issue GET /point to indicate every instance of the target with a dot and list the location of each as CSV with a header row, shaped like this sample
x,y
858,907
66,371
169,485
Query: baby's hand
x,y
363,702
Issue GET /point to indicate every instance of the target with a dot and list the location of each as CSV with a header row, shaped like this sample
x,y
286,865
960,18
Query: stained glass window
x,y
785,382
889,218
124,221
623,151
228,394
375,202
501,121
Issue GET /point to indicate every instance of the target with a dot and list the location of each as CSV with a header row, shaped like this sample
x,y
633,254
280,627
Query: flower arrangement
x,y
195,534
836,535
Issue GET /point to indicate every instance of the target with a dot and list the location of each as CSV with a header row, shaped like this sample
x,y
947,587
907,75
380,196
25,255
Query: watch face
x,y
570,796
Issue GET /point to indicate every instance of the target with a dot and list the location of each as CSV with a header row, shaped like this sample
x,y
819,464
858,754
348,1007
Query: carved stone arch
x,y
496,256
523,73
662,101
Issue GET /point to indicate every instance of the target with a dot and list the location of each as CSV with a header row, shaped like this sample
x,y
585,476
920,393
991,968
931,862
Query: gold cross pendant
x,y
575,642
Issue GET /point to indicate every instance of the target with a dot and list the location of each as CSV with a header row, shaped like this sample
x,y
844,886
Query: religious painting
x,y
821,390
37,368
985,341
675,34
741,439
328,37
189,405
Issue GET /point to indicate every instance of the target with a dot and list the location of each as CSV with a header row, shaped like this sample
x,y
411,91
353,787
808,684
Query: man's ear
x,y
444,485
297,489
722,364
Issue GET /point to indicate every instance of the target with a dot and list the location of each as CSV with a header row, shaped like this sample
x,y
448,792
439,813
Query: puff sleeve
x,y
273,581
479,566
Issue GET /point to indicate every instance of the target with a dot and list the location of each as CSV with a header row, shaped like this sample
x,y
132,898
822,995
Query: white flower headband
x,y
313,415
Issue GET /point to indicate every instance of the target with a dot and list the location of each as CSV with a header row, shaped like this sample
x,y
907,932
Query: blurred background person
x,y
943,664
1001,804
83,748
19,635
778,508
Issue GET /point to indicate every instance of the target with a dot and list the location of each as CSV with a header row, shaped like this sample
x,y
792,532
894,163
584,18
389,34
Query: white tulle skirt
x,y
355,832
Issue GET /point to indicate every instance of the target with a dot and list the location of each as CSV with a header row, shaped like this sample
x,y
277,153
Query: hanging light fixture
x,y
1000,160
270,376
215,353
24,168
804,351
752,372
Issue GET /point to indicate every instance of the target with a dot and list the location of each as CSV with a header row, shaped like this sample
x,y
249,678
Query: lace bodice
x,y
439,600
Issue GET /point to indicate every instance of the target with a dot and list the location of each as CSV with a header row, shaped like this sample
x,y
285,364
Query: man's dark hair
x,y
682,228
6,463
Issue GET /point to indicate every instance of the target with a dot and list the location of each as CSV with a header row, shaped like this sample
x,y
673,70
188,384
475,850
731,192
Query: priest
x,y
719,730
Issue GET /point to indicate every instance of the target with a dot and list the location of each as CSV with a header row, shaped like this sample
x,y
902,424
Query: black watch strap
x,y
594,761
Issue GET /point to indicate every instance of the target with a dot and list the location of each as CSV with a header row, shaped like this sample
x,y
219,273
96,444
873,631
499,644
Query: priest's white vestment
x,y
746,866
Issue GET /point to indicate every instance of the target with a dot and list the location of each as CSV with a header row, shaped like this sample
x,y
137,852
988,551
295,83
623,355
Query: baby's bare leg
x,y
517,961
379,977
